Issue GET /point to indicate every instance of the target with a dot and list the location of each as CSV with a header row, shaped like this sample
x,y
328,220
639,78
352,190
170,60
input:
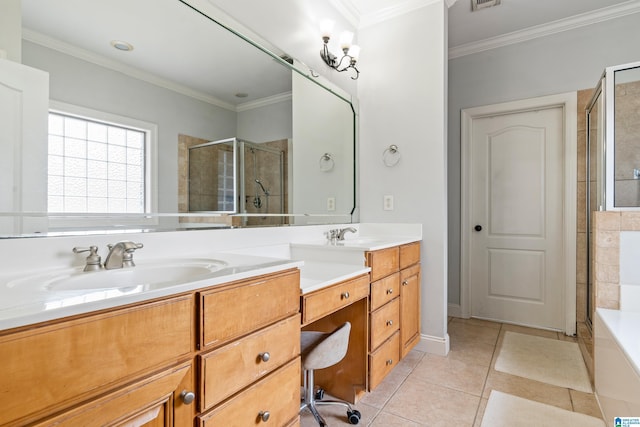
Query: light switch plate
x,y
388,203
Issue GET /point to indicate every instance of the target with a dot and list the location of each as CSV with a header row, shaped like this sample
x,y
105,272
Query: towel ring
x,y
326,162
391,156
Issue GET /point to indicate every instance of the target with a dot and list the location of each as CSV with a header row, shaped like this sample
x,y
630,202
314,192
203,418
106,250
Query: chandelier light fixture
x,y
350,51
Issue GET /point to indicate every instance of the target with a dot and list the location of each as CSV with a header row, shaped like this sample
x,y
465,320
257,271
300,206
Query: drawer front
x,y
242,308
325,301
383,360
383,262
69,362
278,394
409,254
154,401
384,322
384,290
234,366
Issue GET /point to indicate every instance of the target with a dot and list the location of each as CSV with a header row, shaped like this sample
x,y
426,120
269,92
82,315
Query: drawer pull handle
x,y
390,362
389,291
265,356
345,295
264,416
187,397
389,322
405,283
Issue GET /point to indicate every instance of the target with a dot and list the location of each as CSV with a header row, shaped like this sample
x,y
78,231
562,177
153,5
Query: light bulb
x,y
326,28
345,40
354,52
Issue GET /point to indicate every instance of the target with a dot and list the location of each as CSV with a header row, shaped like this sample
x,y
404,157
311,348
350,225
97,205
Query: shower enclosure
x,y
235,176
613,152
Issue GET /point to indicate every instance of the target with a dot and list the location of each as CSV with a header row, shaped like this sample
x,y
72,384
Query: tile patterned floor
x,y
429,390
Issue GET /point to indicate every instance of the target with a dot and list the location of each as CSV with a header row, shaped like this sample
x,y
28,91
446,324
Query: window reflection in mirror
x,y
183,91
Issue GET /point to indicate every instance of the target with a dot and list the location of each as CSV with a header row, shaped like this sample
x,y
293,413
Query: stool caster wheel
x,y
319,394
354,416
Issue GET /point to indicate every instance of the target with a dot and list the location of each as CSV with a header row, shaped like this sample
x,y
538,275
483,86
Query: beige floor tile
x,y
337,415
478,322
389,420
530,331
471,352
433,405
451,373
585,403
528,389
480,413
471,333
381,395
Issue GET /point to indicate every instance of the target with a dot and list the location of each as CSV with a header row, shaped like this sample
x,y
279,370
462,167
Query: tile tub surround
x,y
426,390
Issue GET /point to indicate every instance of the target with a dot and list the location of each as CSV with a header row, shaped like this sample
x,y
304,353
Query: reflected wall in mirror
x,y
198,79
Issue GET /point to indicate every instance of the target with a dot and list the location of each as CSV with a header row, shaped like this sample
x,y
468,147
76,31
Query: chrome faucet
x,y
93,262
342,232
121,255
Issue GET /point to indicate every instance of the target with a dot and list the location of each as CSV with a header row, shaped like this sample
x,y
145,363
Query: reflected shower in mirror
x,y
174,81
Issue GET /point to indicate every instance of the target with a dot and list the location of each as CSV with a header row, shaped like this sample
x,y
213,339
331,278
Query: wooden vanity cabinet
x,y
394,318
193,357
249,363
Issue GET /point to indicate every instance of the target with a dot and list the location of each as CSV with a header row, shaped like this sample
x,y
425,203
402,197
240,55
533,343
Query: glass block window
x,y
226,172
95,166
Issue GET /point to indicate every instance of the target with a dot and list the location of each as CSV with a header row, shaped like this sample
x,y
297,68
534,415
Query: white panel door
x,y
24,104
516,259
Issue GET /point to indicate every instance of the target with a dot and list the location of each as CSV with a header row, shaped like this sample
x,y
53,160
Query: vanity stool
x,y
320,350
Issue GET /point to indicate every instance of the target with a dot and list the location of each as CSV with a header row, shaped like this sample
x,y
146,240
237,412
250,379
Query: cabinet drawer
x,y
242,308
409,254
320,303
234,366
154,401
278,394
69,362
383,262
384,322
383,360
384,290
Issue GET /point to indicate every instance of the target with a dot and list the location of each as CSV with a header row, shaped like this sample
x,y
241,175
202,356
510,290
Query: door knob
x,y
477,227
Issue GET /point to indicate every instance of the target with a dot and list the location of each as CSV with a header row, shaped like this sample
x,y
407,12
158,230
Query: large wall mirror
x,y
165,76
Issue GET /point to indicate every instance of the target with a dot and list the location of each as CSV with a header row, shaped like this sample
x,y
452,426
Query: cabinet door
x,y
153,402
409,308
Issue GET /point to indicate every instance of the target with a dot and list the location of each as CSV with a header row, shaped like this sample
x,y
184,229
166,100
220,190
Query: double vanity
x,y
205,336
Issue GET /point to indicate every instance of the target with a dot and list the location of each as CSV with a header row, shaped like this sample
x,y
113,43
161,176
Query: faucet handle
x,y
94,262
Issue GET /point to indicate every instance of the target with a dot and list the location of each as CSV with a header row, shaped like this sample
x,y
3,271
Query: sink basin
x,y
150,275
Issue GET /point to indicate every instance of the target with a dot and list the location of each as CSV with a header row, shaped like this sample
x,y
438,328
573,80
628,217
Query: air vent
x,y
482,4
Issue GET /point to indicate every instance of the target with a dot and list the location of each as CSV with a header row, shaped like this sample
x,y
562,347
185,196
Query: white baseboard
x,y
434,345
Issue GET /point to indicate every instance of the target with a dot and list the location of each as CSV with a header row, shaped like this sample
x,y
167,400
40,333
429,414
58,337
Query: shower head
x,y
264,190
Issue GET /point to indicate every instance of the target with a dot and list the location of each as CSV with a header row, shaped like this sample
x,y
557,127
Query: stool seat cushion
x,y
320,349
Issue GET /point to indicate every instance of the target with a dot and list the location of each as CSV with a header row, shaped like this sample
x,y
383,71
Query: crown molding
x,y
85,55
263,102
561,25
394,11
349,10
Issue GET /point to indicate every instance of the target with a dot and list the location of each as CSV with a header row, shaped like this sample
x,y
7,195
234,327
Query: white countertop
x,y
624,326
358,243
24,305
25,297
